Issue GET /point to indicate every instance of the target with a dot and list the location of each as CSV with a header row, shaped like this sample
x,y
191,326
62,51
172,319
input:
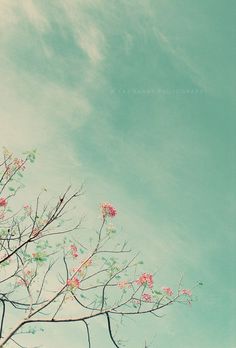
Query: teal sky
x,y
136,99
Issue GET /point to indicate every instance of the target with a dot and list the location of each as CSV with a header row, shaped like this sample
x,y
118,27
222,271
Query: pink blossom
x,y
36,232
74,250
8,171
19,163
168,291
28,209
87,263
83,267
146,279
75,270
123,284
147,297
108,210
27,274
3,202
186,292
22,282
73,283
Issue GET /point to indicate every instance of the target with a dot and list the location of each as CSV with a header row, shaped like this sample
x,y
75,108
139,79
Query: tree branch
x,y
110,330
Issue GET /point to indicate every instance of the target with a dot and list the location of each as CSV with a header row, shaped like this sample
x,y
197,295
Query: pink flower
x,y
73,283
146,297
108,210
22,282
27,275
28,209
87,263
82,268
75,270
123,284
3,202
36,232
19,163
74,250
186,292
146,279
168,291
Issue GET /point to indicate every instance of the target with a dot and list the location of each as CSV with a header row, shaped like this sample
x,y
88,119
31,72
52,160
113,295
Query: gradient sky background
x,y
136,99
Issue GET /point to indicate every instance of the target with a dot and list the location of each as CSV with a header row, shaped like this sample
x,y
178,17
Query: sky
x,y
135,100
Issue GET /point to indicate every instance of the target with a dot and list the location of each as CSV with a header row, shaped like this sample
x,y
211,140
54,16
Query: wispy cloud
x,y
35,15
89,37
181,58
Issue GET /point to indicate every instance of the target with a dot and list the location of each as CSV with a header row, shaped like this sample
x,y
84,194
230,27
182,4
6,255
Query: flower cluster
x,y
87,263
186,292
27,209
36,232
83,268
145,279
108,210
74,250
3,202
123,284
146,297
22,282
73,283
16,165
27,276
168,291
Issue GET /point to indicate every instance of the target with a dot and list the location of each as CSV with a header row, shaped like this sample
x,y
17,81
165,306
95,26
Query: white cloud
x,y
87,33
11,14
8,17
38,112
34,15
